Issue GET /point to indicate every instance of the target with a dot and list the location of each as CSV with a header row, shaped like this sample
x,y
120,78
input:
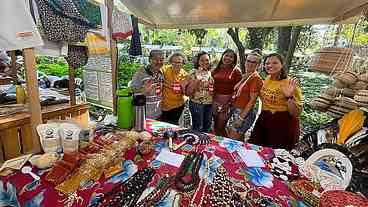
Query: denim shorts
x,y
246,123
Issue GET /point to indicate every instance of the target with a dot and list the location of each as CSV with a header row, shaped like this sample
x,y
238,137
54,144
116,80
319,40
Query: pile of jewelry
x,y
128,193
158,193
222,189
253,197
187,178
203,138
281,166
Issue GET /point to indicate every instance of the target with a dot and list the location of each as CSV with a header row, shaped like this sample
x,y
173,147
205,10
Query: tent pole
x,y
14,67
114,54
337,35
72,85
34,98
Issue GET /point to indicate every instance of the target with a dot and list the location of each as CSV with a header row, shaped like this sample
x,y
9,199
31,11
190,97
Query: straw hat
x,y
339,84
332,91
347,92
363,77
322,102
348,77
359,85
361,97
335,113
346,102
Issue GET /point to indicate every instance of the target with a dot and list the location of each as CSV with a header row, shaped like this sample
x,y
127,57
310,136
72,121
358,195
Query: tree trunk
x,y
337,35
135,43
257,37
283,40
234,33
292,45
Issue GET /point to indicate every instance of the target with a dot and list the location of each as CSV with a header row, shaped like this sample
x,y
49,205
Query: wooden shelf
x,y
16,130
47,112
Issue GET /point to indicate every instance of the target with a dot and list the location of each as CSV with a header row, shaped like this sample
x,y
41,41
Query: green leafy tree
x,y
199,34
359,36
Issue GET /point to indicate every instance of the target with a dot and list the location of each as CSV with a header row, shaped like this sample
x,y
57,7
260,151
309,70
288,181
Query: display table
x,y
20,189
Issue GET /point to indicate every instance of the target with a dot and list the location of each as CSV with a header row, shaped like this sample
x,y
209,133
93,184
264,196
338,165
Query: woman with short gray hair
x,y
149,80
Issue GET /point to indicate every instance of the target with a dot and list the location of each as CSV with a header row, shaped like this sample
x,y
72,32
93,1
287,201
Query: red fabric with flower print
x,y
338,198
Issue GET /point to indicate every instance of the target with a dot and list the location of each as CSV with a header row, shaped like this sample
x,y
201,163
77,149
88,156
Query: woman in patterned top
x,y
278,124
199,88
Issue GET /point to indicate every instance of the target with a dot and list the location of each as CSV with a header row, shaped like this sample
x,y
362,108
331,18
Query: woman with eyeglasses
x,y
245,96
199,87
226,76
278,124
172,103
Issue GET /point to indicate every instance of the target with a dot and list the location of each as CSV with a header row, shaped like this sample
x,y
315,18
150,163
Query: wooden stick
x,y
34,98
14,66
72,86
114,52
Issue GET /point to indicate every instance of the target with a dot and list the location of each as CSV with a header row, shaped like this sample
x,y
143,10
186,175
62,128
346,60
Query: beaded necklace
x,y
187,179
222,189
127,195
157,194
204,183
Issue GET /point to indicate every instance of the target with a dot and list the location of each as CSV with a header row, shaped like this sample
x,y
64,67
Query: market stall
x,y
167,166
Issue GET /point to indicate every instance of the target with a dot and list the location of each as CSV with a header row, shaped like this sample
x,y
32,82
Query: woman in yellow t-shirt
x,y
172,103
278,124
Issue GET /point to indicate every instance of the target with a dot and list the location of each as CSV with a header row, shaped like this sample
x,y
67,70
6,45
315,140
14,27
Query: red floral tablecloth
x,y
19,189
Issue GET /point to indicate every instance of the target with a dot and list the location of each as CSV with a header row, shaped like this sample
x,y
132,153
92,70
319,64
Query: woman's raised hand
x,y
289,89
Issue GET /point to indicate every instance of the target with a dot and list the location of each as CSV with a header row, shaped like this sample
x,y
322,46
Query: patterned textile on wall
x,y
97,45
121,25
77,56
67,8
67,25
89,10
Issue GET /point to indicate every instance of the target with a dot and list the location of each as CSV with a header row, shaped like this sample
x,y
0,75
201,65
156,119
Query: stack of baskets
x,y
348,92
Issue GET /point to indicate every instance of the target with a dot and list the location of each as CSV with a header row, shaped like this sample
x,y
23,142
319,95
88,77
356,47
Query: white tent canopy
x,y
243,13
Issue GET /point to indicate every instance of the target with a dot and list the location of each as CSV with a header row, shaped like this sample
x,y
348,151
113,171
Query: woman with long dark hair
x,y
226,75
278,124
199,88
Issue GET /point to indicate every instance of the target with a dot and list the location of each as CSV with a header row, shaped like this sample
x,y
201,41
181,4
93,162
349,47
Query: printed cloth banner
x,y
17,32
121,24
97,45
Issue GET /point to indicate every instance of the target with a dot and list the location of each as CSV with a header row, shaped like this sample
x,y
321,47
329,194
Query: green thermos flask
x,y
125,108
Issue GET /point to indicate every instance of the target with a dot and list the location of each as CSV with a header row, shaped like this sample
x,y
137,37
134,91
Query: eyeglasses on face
x,y
177,62
251,61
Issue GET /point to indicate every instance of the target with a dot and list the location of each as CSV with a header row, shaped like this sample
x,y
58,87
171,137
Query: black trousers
x,y
173,115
